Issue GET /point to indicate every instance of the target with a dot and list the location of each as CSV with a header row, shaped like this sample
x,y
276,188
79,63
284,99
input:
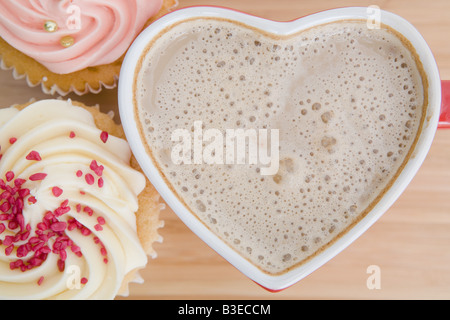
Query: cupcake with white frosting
x,y
77,216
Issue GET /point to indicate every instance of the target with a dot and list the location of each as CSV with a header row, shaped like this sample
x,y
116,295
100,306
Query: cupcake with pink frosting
x,y
72,45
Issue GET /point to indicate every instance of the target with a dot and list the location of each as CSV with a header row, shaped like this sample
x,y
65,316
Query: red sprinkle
x,y
71,135
72,225
9,176
85,231
41,279
101,220
37,176
8,240
98,169
58,226
4,207
12,225
32,200
89,179
104,136
15,264
61,210
93,165
83,280
79,173
22,251
34,155
57,191
63,255
75,248
100,182
88,210
12,140
9,249
61,265
98,227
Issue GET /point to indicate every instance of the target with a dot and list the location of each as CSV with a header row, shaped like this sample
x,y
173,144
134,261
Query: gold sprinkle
x,y
50,26
67,41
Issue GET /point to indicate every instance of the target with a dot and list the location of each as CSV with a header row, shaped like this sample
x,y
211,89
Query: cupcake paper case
x,y
72,45
77,217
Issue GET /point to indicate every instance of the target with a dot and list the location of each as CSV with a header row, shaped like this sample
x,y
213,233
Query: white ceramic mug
x,y
434,114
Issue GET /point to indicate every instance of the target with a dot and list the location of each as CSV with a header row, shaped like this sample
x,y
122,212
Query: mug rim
x,y
421,148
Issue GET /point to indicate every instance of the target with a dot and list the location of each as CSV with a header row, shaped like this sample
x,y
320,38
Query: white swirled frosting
x,y
68,199
101,30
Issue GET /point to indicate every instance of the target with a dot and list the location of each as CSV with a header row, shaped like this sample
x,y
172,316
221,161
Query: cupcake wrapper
x,y
55,89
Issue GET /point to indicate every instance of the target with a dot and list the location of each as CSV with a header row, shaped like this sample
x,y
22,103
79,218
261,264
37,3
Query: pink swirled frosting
x,y
102,30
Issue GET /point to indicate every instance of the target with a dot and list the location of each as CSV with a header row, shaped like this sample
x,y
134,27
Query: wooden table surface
x,y
410,243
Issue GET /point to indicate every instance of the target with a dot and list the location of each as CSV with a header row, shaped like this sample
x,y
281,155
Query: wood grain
x,y
410,243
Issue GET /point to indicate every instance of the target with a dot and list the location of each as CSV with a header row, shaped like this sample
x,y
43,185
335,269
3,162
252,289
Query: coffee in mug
x,y
334,111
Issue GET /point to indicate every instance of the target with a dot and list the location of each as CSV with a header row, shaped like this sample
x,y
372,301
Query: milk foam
x,y
347,101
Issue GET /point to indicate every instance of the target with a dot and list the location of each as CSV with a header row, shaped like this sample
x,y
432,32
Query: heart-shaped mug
x,y
434,117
